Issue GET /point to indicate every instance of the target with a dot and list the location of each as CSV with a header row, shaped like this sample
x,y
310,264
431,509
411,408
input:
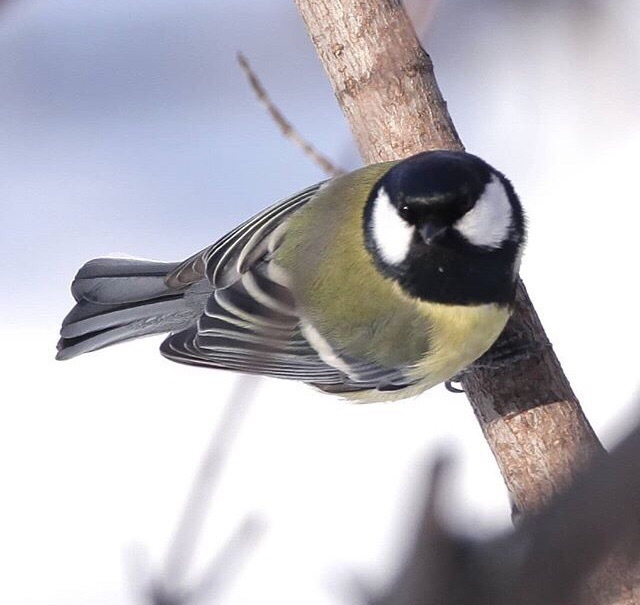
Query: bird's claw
x,y
448,384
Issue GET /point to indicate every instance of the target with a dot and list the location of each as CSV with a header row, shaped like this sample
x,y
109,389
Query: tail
x,y
120,298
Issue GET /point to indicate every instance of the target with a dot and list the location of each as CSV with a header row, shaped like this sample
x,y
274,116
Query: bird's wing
x,y
251,324
226,250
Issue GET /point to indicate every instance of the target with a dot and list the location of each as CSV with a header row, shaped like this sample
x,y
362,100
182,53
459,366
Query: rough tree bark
x,y
386,87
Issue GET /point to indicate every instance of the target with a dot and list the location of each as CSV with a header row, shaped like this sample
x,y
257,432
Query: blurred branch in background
x,y
172,586
548,560
285,126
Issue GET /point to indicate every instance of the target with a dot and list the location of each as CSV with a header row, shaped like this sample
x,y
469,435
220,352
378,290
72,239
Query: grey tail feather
x,y
118,299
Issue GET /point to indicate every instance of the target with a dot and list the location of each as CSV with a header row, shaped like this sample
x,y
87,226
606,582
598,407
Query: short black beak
x,y
430,230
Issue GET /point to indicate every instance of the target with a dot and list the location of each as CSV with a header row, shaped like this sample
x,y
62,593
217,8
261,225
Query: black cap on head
x,y
438,179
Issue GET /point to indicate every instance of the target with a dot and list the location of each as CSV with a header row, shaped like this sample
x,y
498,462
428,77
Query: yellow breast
x,y
458,335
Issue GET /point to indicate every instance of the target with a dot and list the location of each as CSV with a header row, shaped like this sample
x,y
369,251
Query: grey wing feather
x,y
212,261
250,322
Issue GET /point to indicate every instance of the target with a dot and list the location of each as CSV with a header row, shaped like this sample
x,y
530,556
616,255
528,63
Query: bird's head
x,y
440,217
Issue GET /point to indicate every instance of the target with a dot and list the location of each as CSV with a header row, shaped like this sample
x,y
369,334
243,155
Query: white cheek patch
x,y
391,234
489,222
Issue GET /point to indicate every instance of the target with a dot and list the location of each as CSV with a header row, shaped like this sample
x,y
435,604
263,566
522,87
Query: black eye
x,y
405,212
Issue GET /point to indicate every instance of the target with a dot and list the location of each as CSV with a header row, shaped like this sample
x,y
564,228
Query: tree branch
x,y
385,84
386,87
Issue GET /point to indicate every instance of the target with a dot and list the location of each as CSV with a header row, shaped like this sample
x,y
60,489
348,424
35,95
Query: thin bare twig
x,y
285,126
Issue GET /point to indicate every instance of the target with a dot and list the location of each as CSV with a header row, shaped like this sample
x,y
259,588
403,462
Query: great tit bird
x,y
375,285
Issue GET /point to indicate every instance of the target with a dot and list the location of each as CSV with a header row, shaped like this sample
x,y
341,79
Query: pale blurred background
x,y
128,127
